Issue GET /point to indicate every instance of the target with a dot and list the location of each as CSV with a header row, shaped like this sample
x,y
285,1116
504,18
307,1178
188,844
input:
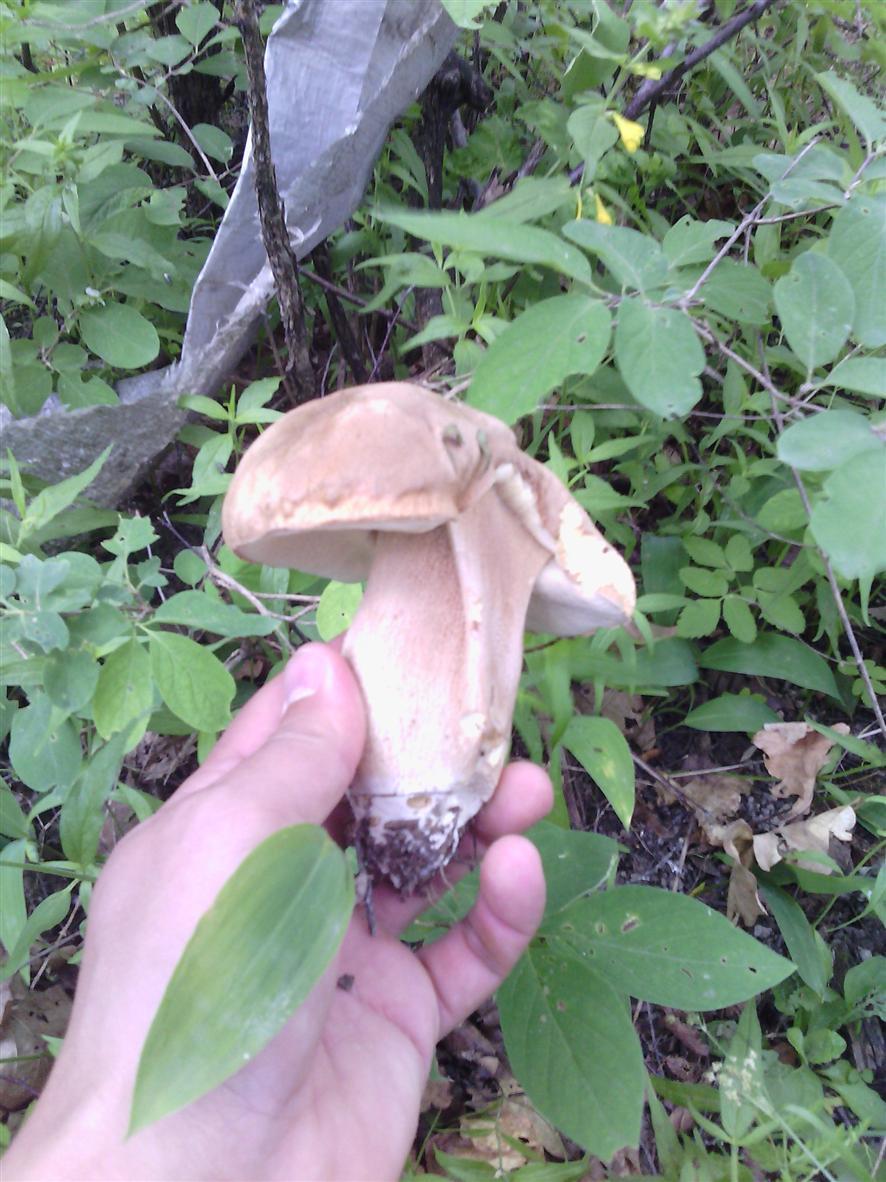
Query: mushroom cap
x,y
315,489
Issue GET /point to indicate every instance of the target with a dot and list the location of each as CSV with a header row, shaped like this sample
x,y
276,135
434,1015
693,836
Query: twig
x,y
275,234
651,90
706,335
668,783
340,323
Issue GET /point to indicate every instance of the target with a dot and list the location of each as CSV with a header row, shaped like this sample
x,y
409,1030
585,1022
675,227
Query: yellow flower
x,y
631,133
602,215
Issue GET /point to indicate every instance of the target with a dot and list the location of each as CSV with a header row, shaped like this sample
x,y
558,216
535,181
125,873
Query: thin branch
x,y
652,90
272,215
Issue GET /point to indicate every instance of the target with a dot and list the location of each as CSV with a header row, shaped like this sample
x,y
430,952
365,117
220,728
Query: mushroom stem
x,y
437,648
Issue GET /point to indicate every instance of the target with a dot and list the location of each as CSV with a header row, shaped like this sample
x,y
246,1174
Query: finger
x,y
305,760
523,797
470,962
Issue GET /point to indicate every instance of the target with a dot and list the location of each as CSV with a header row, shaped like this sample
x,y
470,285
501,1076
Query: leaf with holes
x,y
572,1046
666,948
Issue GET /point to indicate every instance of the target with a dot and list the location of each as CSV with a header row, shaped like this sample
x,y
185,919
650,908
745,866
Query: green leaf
x,y
698,618
731,712
83,812
69,679
705,552
197,21
807,949
493,238
52,501
572,1046
253,959
337,607
659,357
214,142
783,513
635,260
739,292
866,375
849,518
861,109
44,751
857,244
704,582
464,13
192,681
13,909
601,749
826,440
125,692
120,335
593,134
574,862
47,914
816,306
742,1095
13,822
666,948
554,338
689,241
739,619
196,609
771,655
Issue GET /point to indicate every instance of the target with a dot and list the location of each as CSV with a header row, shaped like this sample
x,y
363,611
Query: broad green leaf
x,y
689,241
671,662
849,518
119,335
47,504
124,692
554,338
816,307
464,13
601,749
635,260
48,912
44,749
70,678
83,812
531,199
13,909
866,375
197,21
827,440
574,862
659,357
704,582
739,292
807,949
861,109
572,1046
337,607
593,134
739,619
13,822
192,681
493,238
742,1096
772,655
783,513
731,712
857,244
698,618
214,142
666,948
195,609
253,959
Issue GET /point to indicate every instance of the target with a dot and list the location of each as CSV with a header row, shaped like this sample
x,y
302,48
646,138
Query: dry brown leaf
x,y
813,834
626,711
742,900
26,1018
437,1094
715,797
795,753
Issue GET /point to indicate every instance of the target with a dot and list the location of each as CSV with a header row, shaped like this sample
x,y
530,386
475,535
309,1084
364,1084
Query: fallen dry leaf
x,y
26,1018
795,753
812,835
716,798
742,900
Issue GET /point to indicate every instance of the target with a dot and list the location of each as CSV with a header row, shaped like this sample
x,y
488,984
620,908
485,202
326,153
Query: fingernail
x,y
308,672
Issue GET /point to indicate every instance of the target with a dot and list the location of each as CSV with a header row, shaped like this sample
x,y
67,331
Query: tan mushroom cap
x,y
312,492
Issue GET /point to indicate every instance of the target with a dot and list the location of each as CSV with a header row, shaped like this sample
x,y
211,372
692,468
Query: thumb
x,y
309,755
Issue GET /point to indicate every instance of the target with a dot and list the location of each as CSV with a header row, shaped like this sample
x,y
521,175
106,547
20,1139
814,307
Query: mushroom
x,y
463,541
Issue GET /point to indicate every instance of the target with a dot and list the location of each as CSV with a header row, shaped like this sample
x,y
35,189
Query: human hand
x,y
336,1094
